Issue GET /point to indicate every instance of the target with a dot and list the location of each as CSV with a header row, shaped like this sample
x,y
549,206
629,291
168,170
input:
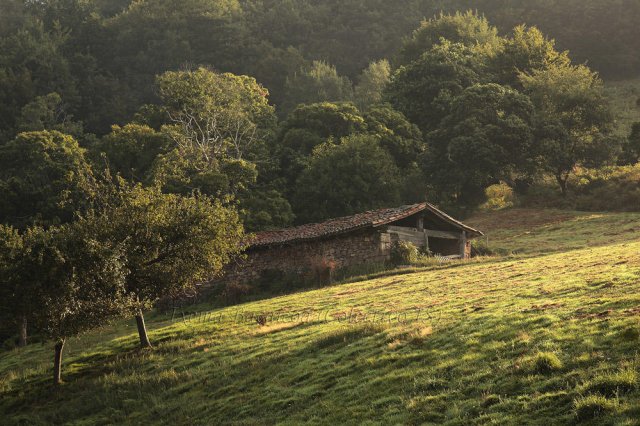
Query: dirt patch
x,y
632,311
594,316
545,307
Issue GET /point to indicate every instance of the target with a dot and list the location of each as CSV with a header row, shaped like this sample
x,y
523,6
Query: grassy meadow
x,y
548,333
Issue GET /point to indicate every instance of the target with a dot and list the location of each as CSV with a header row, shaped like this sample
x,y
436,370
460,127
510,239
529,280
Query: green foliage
x,y
422,88
264,209
43,179
318,83
402,139
499,196
130,151
47,113
486,138
349,177
524,52
214,116
468,28
31,65
309,126
575,118
371,84
78,280
403,253
170,242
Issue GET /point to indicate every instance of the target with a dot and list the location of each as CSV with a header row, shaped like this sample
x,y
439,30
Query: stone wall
x,y
305,257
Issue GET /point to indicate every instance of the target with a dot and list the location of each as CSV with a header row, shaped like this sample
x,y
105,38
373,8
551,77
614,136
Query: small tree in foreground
x,y
77,282
170,242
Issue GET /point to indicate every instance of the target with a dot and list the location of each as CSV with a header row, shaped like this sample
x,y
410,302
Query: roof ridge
x,y
340,225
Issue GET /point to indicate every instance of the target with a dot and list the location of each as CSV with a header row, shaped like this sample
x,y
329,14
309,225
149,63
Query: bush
x,y
403,253
590,406
233,293
613,383
499,197
606,189
546,362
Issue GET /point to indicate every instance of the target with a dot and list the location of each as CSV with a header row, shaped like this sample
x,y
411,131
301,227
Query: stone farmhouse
x,y
347,241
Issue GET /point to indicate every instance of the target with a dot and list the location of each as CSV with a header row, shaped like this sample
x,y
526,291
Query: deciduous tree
x,y
349,177
170,242
43,178
574,118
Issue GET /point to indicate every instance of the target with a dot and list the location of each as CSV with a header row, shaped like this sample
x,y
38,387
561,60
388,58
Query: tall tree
x,y
309,126
319,82
352,176
469,29
486,138
43,178
422,90
574,118
371,84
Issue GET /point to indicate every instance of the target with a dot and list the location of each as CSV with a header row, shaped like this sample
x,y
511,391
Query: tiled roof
x,y
341,225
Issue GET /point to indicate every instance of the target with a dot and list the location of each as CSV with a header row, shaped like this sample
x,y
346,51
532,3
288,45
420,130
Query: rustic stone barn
x,y
347,241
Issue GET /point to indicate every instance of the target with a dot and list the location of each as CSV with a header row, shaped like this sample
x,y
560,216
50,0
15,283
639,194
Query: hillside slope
x,y
507,341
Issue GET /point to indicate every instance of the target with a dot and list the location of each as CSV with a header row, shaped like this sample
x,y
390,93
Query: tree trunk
x,y
142,330
57,362
562,181
22,339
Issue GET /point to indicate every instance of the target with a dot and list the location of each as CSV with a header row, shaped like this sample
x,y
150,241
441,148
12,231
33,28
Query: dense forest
x,y
102,56
99,71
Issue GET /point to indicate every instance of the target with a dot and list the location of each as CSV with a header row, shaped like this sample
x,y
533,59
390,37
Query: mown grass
x,y
461,344
530,231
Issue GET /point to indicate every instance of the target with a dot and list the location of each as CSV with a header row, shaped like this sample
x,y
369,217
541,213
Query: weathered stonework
x,y
304,257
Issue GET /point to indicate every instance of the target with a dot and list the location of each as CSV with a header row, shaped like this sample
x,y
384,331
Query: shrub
x,y
233,293
403,253
607,189
499,197
612,383
546,362
590,406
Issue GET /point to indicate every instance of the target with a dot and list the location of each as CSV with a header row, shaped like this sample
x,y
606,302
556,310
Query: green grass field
x,y
548,335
